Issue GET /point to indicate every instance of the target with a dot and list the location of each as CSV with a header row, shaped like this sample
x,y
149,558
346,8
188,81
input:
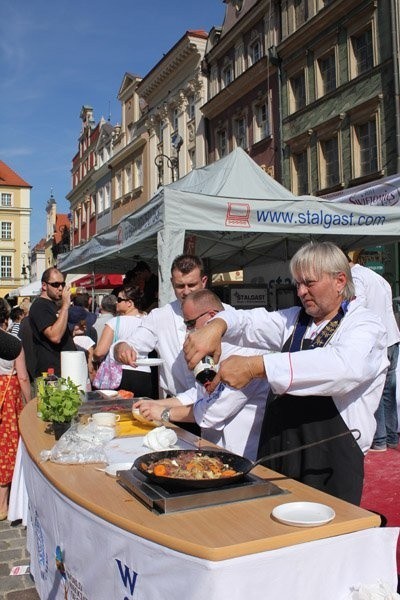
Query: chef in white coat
x,y
228,417
163,329
326,364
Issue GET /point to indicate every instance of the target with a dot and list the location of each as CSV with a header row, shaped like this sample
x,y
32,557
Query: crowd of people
x,y
285,378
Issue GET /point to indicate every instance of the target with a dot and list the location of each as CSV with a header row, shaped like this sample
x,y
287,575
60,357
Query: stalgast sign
x,y
249,296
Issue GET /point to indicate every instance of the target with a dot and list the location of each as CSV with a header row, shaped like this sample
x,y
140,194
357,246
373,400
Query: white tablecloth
x,y
103,562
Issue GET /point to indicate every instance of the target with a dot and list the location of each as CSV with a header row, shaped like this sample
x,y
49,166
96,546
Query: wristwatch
x,y
165,415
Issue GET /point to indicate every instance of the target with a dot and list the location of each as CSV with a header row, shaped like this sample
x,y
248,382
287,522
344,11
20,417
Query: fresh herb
x,y
60,402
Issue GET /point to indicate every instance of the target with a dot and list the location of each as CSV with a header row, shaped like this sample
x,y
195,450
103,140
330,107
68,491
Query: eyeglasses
x,y
191,323
119,299
56,284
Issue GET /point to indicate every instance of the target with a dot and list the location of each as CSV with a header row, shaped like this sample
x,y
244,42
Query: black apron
x,y
335,467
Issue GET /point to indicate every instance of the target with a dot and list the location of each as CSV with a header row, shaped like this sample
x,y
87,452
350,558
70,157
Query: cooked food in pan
x,y
190,465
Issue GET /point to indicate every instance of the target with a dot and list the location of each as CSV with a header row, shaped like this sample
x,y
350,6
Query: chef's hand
x,y
204,341
150,409
238,371
124,354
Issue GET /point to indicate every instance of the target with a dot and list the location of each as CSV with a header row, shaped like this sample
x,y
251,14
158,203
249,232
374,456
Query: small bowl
x,y
109,393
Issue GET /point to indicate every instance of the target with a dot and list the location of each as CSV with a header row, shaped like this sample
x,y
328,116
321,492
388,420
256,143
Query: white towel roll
x,y
74,366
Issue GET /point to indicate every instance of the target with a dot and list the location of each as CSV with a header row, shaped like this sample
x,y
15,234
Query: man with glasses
x,y
48,317
228,417
163,329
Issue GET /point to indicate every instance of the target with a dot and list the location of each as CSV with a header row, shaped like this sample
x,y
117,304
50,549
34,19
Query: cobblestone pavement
x,y
13,553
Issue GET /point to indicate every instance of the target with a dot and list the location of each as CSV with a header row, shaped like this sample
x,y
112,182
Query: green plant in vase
x,y
59,403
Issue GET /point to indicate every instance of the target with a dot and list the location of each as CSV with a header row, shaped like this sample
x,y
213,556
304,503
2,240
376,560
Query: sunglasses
x,y
56,284
191,323
119,299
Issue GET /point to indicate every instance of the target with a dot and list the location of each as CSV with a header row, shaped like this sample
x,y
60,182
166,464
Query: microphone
x,y
10,346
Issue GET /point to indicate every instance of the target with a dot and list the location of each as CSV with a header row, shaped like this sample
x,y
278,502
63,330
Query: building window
x,y
240,132
262,122
365,148
5,199
100,200
329,163
300,173
227,75
222,143
138,172
300,12
239,58
107,196
254,52
191,107
131,131
192,158
5,266
174,119
118,185
362,52
297,91
326,74
128,179
6,230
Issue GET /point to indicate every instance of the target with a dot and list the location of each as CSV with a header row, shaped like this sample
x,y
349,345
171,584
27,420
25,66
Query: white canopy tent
x,y
233,214
31,289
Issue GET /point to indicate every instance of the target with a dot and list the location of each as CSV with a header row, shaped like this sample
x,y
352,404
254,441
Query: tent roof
x,y
235,215
234,176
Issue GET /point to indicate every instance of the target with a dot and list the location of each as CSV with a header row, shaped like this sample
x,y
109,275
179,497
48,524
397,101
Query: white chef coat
x,y
351,368
228,417
375,293
163,330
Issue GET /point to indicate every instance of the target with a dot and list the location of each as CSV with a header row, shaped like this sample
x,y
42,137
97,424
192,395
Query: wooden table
x,y
213,543
213,533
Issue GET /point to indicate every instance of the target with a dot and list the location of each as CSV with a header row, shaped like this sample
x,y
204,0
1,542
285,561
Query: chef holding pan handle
x,y
325,362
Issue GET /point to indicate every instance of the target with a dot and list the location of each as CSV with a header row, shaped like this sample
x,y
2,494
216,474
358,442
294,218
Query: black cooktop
x,y
163,501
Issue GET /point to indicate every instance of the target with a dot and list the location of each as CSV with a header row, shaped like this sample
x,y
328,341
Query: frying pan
x,y
241,465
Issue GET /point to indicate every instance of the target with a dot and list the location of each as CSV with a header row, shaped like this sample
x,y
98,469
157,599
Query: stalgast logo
x,y
250,297
128,576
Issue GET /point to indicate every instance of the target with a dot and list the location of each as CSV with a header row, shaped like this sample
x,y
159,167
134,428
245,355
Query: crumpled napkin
x,y
377,591
160,438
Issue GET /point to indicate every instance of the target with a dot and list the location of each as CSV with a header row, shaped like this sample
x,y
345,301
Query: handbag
x,y
109,373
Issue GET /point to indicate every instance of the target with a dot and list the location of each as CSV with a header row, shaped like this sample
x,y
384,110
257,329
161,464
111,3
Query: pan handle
x,y
304,446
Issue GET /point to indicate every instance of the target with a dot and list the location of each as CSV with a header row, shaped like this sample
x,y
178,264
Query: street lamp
x,y
26,268
172,161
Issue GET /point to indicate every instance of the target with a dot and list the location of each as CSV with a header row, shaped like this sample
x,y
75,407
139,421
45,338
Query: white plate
x,y
303,514
114,467
109,393
149,362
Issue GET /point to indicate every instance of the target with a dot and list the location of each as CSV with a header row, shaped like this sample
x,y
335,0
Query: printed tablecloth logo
x,y
128,577
42,557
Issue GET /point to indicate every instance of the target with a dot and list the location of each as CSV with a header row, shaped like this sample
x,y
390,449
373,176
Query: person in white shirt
x,y
228,417
124,325
375,293
325,362
163,329
108,310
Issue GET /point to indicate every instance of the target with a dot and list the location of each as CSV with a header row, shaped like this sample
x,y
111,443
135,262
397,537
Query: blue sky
x,y
55,56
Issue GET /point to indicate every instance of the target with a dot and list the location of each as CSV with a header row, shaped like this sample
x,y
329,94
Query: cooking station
x,y
111,544
162,500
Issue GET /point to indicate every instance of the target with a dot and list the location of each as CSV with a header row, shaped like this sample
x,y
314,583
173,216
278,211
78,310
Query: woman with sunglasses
x,y
122,327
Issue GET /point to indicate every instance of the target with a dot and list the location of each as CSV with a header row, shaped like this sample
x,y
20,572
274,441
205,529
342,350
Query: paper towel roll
x,y
74,366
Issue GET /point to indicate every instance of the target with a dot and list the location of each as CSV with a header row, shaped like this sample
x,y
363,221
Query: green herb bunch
x,y
59,402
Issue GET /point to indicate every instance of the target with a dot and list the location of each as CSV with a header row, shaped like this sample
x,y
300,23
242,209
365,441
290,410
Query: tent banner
x,y
383,192
307,215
